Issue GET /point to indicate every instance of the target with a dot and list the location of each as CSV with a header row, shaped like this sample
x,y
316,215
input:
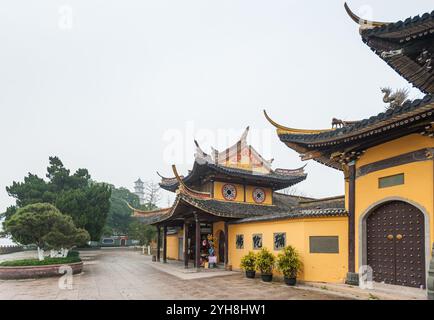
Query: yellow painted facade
x,y
323,267
218,227
218,194
417,188
172,245
268,195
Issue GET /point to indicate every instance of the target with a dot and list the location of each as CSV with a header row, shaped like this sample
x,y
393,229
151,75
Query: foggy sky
x,y
103,84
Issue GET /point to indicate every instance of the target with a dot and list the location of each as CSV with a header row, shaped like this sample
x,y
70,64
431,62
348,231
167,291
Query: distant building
x,y
139,190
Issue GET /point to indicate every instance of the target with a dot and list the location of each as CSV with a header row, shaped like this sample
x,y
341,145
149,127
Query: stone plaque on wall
x,y
239,241
257,241
279,240
324,244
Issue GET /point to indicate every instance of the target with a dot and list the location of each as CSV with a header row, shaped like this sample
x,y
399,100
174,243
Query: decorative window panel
x,y
391,181
324,244
279,240
239,241
257,241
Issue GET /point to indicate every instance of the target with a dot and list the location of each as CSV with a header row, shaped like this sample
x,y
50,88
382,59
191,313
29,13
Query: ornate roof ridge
x,y
219,157
366,123
340,197
279,175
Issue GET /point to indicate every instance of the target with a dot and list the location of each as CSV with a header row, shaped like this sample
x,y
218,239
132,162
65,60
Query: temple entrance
x,y
396,244
221,247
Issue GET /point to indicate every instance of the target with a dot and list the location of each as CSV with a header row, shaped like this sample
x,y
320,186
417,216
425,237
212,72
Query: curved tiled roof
x,y
328,207
280,178
283,207
401,44
406,46
410,112
402,29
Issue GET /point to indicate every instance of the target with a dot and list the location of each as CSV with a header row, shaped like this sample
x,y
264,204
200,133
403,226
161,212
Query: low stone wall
x,y
32,272
10,249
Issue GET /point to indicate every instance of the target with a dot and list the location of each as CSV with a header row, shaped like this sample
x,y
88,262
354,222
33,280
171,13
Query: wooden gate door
x,y
396,244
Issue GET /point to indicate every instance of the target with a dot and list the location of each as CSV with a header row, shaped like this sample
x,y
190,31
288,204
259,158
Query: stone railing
x,y
431,277
10,249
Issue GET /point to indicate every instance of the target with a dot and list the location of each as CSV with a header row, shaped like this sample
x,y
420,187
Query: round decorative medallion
x,y
229,192
259,195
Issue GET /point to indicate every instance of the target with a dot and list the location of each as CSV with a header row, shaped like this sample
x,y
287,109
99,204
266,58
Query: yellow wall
x,y
268,195
219,195
216,228
418,179
317,266
172,245
240,193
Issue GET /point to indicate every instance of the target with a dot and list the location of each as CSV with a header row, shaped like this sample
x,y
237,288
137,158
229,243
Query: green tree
x,y
119,216
75,194
120,220
45,226
141,232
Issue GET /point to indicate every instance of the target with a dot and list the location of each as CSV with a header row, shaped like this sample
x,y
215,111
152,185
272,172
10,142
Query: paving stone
x,y
127,274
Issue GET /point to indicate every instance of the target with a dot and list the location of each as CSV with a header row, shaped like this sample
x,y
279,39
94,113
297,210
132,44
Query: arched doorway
x,y
395,236
221,236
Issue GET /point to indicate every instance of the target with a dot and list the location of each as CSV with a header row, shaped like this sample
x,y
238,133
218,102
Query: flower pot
x,y
267,277
290,281
250,274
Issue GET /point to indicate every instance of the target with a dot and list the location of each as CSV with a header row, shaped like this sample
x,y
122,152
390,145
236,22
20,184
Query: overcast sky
x,y
113,86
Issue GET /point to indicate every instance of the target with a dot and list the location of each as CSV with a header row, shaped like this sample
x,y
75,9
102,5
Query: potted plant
x,y
248,264
289,263
265,262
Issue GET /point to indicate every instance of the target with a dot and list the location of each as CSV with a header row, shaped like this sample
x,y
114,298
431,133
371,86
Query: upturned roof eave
x,y
377,122
282,181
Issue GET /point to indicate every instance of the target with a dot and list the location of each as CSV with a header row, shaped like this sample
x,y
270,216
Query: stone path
x,y
126,274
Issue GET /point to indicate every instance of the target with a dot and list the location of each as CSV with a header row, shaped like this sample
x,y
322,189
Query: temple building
x,y
386,160
229,204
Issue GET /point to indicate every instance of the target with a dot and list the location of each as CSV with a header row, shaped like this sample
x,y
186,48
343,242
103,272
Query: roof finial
x,y
183,186
367,24
284,129
244,136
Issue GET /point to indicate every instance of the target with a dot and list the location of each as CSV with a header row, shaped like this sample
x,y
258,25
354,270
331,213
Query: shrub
x,y
288,262
73,253
265,261
248,262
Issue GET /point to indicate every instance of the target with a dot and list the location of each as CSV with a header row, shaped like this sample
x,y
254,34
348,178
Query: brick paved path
x,y
126,274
